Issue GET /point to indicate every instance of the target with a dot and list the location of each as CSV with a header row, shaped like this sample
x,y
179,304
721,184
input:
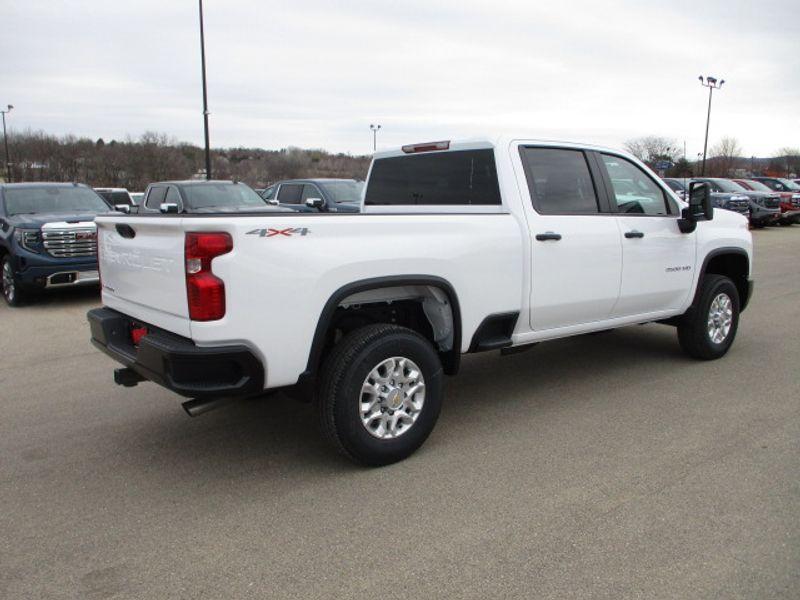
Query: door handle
x,y
634,234
548,235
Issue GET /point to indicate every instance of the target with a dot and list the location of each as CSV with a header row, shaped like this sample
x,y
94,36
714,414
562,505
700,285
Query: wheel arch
x,y
733,263
450,358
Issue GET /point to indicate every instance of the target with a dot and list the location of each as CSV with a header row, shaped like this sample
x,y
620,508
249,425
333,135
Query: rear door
x,y
575,246
658,260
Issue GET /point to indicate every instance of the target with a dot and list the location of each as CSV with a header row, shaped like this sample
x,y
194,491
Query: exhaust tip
x,y
198,406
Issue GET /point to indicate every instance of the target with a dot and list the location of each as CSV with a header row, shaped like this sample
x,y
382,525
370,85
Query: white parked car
x,y
460,247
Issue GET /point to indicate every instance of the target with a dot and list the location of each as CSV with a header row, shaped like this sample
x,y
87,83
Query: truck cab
x,y
316,195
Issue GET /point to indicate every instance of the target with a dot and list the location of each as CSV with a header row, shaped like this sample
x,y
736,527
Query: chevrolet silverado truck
x,y
460,247
47,237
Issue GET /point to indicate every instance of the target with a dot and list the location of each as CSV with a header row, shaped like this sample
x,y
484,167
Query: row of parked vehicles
x,y
764,200
48,238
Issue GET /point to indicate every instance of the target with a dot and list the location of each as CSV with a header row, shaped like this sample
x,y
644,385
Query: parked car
x,y
198,196
116,196
765,208
460,247
790,200
316,195
726,200
678,186
47,237
788,189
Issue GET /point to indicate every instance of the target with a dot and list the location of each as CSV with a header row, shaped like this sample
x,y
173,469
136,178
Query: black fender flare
x,y
450,359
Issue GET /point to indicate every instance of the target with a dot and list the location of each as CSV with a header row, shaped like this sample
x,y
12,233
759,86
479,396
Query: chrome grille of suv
x,y
70,243
738,205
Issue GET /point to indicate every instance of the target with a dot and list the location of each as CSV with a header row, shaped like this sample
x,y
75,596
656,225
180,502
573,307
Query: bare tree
x,y
133,163
724,156
652,149
790,157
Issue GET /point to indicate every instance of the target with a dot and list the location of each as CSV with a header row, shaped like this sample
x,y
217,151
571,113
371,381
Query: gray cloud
x,y
315,74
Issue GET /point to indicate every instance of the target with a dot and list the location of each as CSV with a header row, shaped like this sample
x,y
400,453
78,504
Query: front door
x,y
575,245
658,260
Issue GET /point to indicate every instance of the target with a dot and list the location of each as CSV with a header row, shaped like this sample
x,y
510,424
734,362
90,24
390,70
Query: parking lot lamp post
x,y
5,142
374,129
205,93
712,84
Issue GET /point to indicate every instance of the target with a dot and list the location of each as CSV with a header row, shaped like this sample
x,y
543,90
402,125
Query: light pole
x,y
712,84
374,129
5,141
205,93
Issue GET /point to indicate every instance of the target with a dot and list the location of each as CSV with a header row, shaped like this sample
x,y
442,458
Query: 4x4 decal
x,y
272,232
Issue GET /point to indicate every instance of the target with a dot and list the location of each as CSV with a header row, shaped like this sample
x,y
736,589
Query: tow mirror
x,y
700,207
168,207
315,203
123,208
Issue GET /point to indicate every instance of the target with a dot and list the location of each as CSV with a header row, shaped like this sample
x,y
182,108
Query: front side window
x,y
559,181
311,191
290,193
459,177
172,197
155,197
634,191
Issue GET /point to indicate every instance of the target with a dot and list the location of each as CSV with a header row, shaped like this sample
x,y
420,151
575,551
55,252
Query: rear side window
x,y
559,181
155,197
290,193
462,177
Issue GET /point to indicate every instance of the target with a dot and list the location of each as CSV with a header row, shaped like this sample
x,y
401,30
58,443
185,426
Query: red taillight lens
x,y
204,290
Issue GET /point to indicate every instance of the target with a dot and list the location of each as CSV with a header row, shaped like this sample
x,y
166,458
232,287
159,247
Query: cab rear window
x,y
462,177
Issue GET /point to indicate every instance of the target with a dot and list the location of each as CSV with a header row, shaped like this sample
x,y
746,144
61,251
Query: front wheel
x,y
708,328
380,394
12,293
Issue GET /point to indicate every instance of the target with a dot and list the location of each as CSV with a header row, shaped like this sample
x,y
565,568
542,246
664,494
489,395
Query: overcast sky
x,y
317,73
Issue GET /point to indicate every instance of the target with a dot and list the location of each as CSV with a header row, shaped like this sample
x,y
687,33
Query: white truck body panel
x,y
277,285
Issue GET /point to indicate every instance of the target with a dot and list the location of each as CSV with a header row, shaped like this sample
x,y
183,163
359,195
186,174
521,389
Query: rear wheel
x,y
380,394
12,293
708,329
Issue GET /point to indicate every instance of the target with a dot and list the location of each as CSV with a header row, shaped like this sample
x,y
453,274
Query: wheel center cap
x,y
394,399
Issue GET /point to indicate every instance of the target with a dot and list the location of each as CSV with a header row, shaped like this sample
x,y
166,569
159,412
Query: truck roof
x,y
486,142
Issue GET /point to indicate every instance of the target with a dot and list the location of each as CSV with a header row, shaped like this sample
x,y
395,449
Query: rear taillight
x,y
204,290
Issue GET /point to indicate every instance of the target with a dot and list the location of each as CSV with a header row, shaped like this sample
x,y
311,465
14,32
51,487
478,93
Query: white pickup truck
x,y
459,247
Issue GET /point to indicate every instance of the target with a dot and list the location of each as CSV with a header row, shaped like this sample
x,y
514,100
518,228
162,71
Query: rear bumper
x,y
176,362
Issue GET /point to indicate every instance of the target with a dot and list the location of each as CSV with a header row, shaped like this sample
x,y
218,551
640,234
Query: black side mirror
x,y
700,208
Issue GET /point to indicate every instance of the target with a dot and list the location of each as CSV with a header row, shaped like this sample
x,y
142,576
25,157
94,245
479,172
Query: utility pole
x,y
711,84
205,92
374,129
5,142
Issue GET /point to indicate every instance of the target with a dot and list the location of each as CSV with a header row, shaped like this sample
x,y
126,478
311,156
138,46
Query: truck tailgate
x,y
142,269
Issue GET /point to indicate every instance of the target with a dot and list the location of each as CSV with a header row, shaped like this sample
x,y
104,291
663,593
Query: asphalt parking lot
x,y
605,466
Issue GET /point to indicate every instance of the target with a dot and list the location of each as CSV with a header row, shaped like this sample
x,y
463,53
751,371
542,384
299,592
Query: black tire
x,y
693,330
340,391
12,293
